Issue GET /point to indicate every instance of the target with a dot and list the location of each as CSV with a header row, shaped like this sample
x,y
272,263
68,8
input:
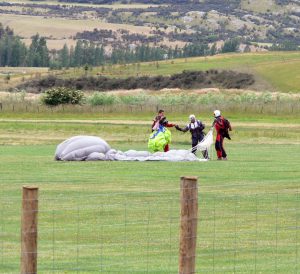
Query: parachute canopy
x,y
92,148
159,139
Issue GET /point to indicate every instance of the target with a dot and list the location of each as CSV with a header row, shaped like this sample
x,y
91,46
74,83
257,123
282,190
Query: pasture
x,y
113,6
123,217
61,30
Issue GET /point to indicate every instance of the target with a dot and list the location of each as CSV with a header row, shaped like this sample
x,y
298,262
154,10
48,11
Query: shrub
x,y
184,80
61,95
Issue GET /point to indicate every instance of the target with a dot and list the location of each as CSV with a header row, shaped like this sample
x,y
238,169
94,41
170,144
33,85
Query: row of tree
x,y
13,52
86,52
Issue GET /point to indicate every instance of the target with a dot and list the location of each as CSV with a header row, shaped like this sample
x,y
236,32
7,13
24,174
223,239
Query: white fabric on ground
x,y
79,148
206,143
91,148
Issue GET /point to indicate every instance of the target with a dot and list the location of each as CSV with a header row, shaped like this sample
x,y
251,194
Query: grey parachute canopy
x,y
92,148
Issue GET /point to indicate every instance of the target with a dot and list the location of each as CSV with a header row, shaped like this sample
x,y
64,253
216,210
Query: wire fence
x,y
273,107
138,232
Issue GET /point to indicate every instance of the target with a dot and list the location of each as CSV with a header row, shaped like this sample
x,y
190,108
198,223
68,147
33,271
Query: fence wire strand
x,y
132,233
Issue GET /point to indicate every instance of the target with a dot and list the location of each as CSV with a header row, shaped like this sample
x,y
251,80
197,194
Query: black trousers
x,y
220,147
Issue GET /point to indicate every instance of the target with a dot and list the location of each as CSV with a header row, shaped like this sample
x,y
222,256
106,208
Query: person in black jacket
x,y
196,128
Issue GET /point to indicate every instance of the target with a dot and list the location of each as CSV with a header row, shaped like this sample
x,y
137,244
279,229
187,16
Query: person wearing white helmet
x,y
195,127
222,126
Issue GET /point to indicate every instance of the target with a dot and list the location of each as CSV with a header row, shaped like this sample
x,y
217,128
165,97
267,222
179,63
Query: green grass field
x,y
123,217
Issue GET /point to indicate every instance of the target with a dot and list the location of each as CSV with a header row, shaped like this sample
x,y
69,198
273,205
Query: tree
x,y
64,56
231,45
213,49
247,48
78,54
38,55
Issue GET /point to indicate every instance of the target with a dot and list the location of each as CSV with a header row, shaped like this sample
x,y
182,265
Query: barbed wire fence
x,y
138,232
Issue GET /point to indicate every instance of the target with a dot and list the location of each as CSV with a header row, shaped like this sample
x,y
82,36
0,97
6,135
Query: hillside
x,y
272,71
257,23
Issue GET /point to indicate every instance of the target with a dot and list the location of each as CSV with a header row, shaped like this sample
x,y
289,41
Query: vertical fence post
x,y
188,224
29,230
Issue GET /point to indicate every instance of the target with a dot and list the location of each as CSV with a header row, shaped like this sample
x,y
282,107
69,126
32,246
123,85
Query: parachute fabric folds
x,y
91,148
159,139
79,148
206,143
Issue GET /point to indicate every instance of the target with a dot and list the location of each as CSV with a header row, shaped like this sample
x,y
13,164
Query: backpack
x,y
226,128
227,125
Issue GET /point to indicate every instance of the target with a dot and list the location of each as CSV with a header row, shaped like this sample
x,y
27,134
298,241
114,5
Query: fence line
x,y
274,107
253,233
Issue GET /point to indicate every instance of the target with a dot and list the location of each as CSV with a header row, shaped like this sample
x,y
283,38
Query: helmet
x,y
217,113
192,116
163,121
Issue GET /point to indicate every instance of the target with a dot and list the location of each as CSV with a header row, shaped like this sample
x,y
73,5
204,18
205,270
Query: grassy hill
x,y
273,71
172,22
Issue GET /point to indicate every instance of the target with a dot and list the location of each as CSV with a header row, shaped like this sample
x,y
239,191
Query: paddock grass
x,y
123,217
261,6
60,28
29,132
113,6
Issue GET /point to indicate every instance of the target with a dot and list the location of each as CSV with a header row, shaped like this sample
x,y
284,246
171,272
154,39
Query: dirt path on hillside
x,y
144,122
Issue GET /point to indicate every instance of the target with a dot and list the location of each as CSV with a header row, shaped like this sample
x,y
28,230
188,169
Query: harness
x,y
160,129
192,126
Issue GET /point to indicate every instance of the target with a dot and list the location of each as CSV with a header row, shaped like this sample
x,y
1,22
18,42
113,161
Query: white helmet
x,y
192,116
217,113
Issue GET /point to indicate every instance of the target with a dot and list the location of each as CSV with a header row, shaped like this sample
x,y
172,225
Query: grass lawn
x,y
123,217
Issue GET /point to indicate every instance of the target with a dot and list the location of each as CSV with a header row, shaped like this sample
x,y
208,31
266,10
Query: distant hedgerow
x,y
184,80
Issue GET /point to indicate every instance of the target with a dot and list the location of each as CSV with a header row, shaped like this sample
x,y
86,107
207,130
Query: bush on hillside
x,y
184,80
61,95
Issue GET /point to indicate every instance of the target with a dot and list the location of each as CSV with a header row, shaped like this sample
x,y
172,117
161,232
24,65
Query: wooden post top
x,y
193,178
30,187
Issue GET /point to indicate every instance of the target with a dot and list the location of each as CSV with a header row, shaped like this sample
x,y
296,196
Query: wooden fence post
x,y
188,224
29,230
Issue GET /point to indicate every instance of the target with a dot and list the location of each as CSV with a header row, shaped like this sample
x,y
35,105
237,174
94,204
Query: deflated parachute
x,y
92,148
159,139
80,148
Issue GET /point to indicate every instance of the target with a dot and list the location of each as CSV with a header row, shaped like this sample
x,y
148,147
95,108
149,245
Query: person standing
x,y
157,121
195,127
160,138
222,126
